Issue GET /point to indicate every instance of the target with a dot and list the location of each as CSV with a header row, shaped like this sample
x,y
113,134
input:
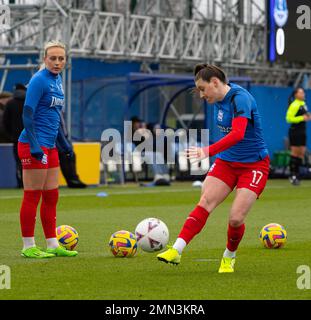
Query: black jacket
x,y
13,115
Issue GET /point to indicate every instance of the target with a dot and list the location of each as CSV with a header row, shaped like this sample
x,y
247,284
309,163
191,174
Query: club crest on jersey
x,y
212,167
220,115
60,87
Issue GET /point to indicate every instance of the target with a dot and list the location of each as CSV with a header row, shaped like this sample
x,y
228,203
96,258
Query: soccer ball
x,y
123,244
152,234
273,235
67,237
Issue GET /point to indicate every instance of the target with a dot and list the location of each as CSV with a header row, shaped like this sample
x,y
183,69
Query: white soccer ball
x,y
197,184
152,234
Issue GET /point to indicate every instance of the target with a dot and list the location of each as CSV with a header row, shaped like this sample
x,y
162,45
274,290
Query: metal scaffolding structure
x,y
154,31
174,33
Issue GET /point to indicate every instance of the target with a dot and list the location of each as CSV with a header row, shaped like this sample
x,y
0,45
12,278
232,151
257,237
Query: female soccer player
x,y
297,115
39,157
242,162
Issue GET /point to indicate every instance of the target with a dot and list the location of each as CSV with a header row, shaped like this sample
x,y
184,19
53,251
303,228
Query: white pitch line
x,y
135,192
206,260
109,194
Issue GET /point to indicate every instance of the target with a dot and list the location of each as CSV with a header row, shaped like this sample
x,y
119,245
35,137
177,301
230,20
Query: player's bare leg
x,y
214,192
34,179
241,206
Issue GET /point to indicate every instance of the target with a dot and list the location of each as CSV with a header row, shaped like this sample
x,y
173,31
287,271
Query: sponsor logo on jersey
x,y
57,102
224,129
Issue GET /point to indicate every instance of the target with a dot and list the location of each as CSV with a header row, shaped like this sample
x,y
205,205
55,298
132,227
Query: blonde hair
x,y
51,44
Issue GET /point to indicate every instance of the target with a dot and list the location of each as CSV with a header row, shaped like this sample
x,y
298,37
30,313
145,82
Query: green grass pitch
x,y
96,274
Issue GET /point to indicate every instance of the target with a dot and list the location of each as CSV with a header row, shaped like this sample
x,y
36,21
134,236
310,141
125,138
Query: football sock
x,y
235,235
229,254
294,165
180,245
28,212
48,212
52,243
299,164
29,242
194,224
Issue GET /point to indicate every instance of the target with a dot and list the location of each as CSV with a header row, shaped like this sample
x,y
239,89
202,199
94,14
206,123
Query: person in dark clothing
x,y
13,124
160,168
138,127
4,98
154,157
68,164
297,115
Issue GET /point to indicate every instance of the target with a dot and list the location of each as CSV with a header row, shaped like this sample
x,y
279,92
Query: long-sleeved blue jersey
x,y
45,96
238,102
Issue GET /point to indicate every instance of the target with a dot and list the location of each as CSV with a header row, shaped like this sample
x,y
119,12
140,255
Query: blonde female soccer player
x,y
242,163
39,157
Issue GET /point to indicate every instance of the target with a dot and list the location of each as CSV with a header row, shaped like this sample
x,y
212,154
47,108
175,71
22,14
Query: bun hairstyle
x,y
207,71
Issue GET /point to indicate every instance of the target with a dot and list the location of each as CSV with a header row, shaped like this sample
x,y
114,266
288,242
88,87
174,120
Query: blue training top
x,y
238,102
45,96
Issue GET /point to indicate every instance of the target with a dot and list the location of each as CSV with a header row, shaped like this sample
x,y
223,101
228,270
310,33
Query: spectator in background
x,y
139,126
4,98
297,115
156,158
159,157
13,124
68,164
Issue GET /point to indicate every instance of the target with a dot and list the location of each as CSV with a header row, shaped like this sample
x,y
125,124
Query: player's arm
x,y
291,113
242,112
237,134
34,93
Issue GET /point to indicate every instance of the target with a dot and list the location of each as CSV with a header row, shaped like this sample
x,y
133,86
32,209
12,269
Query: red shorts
x,y
29,162
252,175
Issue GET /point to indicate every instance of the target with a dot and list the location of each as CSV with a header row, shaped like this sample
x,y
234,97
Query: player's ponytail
x,y
42,66
207,71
